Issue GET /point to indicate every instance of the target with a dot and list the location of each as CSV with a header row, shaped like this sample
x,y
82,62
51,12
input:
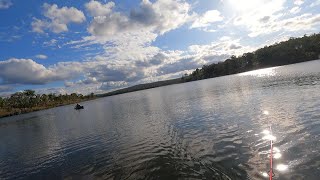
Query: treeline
x,y
28,101
294,50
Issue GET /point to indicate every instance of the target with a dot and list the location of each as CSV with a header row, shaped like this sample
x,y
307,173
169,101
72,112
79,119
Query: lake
x,y
209,129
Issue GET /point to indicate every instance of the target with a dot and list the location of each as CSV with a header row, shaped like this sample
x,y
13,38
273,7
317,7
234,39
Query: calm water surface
x,y
209,129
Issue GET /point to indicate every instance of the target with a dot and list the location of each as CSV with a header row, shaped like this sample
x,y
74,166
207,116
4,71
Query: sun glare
x,y
244,5
282,167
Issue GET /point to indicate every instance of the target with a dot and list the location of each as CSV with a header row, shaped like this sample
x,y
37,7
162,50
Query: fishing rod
x,y
271,174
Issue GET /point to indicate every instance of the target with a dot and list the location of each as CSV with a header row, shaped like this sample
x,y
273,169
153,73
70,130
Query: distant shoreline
x,y
28,101
19,111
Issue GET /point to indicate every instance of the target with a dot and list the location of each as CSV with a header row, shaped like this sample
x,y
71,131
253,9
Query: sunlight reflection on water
x,y
260,72
269,137
282,167
264,174
276,155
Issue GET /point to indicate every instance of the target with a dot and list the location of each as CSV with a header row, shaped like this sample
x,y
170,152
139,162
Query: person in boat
x,y
78,106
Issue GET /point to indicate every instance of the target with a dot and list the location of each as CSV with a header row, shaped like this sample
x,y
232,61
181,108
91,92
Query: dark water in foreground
x,y
210,129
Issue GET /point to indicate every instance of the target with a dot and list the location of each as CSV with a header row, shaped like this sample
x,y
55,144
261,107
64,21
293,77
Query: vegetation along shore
x,y
28,101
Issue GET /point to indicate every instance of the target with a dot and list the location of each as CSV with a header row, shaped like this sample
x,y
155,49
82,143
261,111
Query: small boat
x,y
78,107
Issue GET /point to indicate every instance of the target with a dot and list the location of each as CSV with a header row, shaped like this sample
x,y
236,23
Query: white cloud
x,y
179,65
129,56
298,2
41,56
206,19
162,15
39,25
52,42
257,14
109,25
5,4
27,71
23,71
258,7
172,64
176,63
126,38
295,10
5,88
113,85
76,88
95,8
223,46
303,22
315,3
158,17
63,15
86,81
57,18
270,17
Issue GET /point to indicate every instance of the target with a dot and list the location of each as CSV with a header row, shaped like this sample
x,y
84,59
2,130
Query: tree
x,y
29,93
51,97
16,100
44,99
1,102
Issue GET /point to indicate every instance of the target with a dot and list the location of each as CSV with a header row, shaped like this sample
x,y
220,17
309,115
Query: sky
x,y
86,46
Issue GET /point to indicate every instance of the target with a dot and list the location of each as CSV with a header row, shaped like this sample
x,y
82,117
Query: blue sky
x,y
96,46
